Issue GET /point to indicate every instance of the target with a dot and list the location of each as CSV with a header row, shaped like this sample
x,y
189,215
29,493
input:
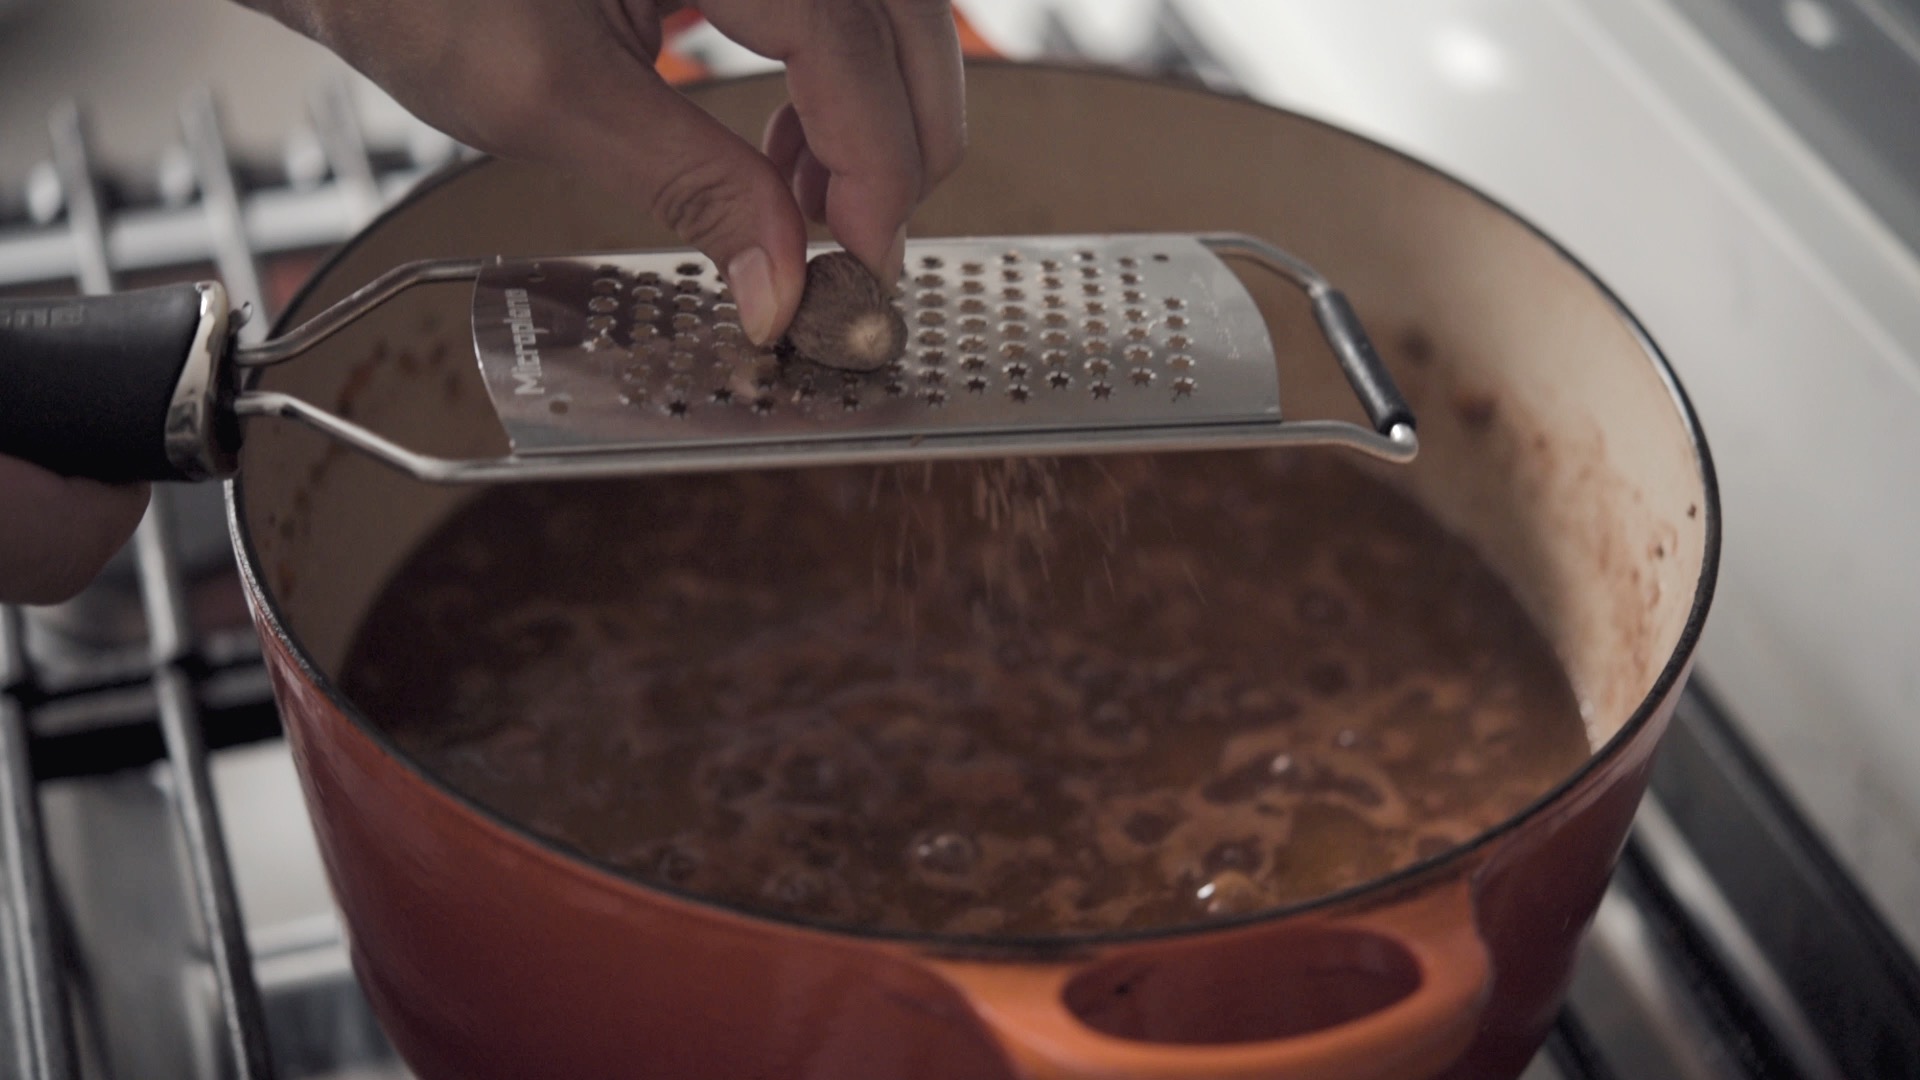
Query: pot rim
x,y
1449,861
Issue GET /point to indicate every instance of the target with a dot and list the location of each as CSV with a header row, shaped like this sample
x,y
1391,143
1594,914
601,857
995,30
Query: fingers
x,y
850,97
630,131
56,533
878,111
930,60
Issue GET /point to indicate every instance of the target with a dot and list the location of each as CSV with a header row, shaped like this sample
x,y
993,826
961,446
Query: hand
x,y
876,119
56,533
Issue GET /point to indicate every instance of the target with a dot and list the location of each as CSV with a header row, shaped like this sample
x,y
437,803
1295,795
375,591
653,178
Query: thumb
x,y
640,137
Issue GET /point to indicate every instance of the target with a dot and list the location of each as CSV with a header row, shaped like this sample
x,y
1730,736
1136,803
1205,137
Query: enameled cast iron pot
x,y
1555,440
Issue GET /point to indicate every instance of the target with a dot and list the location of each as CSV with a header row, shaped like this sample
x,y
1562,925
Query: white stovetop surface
x,y
1793,318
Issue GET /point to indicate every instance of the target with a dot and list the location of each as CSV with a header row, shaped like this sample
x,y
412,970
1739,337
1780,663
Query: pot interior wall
x,y
1550,441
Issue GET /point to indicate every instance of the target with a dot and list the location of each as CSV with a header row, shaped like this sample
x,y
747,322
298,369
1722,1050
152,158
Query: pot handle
x,y
118,388
1025,1008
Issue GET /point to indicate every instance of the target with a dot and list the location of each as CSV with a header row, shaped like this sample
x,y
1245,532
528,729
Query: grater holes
x,y
1083,256
646,312
1091,288
762,405
646,333
973,344
1089,272
974,363
688,269
1178,341
1141,376
686,302
559,405
721,396
976,384
726,312
932,299
635,397
1055,318
1135,314
1055,358
931,262
972,287
600,324
1096,346
1159,256
687,287
972,269
1055,338
930,318
1014,350
973,305
1013,330
1129,278
930,281
1096,307
933,376
1010,275
685,321
678,409
932,337
1101,390
1013,311
1050,265
1018,393
1137,333
1011,293
1009,258
1128,262
1059,380
1183,387
1053,300
1096,327
895,388
603,304
634,373
1098,366
646,293
1174,303
849,401
1134,296
607,285
680,384
680,361
647,278
727,332
1176,322
1139,354
1052,281
935,397
933,357
686,339
973,324
1182,362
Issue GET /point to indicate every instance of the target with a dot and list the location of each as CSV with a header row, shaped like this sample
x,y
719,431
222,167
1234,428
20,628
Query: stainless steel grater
x,y
633,364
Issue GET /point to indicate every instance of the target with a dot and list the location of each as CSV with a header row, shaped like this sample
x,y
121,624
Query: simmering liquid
x,y
1017,699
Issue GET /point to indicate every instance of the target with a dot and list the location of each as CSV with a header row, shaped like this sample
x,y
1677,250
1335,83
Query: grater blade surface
x,y
1010,339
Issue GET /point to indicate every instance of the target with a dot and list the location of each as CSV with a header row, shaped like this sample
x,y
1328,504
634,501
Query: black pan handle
x,y
1368,376
117,388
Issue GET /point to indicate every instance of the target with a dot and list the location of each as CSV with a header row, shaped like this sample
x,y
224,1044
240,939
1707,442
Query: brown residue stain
x,y
1693,511
1416,347
1476,411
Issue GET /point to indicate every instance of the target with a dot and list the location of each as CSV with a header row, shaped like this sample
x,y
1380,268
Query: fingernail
x,y
897,257
750,276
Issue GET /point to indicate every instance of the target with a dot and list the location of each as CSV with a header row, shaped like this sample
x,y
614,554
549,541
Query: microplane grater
x,y
636,363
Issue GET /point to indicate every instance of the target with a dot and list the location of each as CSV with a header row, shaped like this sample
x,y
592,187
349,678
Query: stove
x,y
162,909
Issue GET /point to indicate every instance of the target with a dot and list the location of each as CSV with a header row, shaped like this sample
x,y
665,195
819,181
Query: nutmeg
x,y
846,318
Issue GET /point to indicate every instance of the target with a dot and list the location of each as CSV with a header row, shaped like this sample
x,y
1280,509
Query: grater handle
x,y
1387,410
118,388
1368,376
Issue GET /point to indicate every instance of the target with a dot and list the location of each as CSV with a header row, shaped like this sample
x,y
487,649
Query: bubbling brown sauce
x,y
1016,700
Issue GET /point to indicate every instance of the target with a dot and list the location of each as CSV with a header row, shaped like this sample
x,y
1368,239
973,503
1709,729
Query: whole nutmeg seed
x,y
846,318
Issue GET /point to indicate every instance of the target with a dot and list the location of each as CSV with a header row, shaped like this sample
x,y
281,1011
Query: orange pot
x,y
1555,440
